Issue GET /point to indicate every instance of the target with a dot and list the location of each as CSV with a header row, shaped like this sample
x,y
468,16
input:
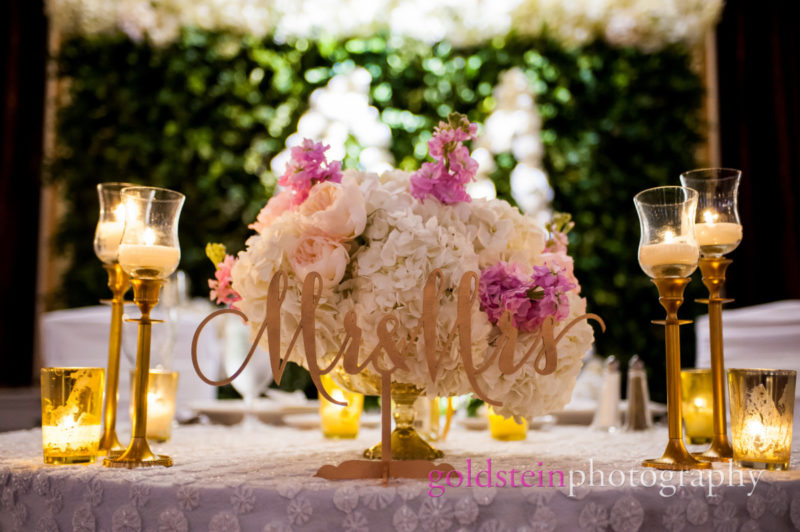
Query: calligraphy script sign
x,y
542,354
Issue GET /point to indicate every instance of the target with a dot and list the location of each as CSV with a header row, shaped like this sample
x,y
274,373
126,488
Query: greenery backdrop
x,y
205,115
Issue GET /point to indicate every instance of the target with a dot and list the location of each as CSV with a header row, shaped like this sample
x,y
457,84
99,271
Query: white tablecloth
x,y
79,337
225,479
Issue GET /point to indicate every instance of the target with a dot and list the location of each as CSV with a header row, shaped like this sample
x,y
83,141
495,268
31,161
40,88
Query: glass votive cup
x,y
505,428
762,410
697,405
72,413
162,387
340,422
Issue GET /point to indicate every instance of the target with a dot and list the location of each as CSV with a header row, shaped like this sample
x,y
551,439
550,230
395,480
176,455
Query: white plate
x,y
302,421
582,412
231,411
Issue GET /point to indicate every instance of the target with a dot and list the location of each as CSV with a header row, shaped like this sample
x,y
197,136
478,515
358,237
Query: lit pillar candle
x,y
670,258
717,237
108,236
149,261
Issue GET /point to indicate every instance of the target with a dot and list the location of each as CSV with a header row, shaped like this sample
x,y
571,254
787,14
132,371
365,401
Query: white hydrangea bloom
x,y
647,24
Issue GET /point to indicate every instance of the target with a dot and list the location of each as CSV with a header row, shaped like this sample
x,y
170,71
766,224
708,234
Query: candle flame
x,y
700,402
149,237
709,217
119,212
669,236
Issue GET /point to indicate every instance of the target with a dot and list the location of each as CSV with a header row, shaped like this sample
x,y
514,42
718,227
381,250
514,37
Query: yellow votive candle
x,y
162,387
72,409
506,429
340,421
697,405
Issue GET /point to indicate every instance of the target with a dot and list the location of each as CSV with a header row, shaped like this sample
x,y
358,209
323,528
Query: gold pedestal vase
x,y
407,443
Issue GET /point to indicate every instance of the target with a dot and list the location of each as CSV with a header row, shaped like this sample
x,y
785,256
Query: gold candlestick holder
x,y
675,457
713,270
119,283
138,453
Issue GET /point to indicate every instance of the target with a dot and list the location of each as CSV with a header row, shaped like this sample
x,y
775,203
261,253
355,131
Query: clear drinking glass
x,y
667,246
111,224
717,228
256,375
149,247
762,413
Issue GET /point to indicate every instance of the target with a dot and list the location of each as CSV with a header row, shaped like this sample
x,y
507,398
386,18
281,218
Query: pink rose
x,y
277,205
321,254
334,209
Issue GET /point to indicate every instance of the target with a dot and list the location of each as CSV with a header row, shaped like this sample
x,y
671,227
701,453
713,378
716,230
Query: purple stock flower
x,y
308,167
453,168
505,287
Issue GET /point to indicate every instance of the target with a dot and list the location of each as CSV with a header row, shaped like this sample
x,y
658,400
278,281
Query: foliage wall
x,y
206,113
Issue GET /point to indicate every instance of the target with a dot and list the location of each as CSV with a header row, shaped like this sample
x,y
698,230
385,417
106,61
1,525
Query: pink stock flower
x,y
222,293
505,287
446,178
308,167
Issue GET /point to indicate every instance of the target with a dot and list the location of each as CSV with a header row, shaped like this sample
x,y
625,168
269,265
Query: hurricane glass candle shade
x,y
717,227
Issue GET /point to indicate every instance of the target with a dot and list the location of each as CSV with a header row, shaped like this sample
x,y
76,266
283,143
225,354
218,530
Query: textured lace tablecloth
x,y
226,479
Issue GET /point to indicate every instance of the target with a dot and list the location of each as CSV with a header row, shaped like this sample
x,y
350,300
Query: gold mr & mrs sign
x,y
544,349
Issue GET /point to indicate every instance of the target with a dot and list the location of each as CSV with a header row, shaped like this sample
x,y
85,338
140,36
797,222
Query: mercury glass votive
x,y
72,410
162,388
762,410
505,428
337,421
697,405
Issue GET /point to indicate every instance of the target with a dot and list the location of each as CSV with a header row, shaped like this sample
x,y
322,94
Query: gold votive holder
x,y
340,422
162,387
72,413
762,410
505,428
697,405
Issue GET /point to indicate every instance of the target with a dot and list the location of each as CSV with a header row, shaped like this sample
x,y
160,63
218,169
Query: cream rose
x,y
334,209
321,254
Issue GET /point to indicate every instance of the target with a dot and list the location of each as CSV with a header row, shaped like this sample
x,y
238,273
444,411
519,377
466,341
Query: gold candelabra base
x,y
675,457
119,283
138,453
713,270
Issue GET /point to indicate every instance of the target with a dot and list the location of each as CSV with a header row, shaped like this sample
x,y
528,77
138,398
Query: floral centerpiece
x,y
374,239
